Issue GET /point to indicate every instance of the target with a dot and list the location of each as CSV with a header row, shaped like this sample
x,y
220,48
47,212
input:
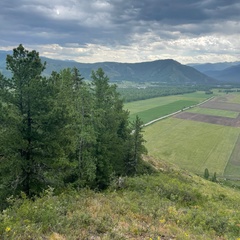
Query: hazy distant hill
x,y
230,74
164,71
225,71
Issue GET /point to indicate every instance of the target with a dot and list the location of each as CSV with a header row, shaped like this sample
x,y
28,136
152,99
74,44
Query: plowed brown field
x,y
214,104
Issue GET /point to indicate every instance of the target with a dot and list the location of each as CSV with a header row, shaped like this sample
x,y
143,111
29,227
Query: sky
x,y
188,31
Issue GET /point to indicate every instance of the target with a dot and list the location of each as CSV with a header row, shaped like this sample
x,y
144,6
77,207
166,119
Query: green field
x,y
160,111
138,106
192,145
214,112
151,109
236,98
233,167
189,144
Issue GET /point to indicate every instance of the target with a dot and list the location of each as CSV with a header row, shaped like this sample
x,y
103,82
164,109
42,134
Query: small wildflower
x,y
7,229
162,221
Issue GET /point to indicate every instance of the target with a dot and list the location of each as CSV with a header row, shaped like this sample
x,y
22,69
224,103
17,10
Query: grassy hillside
x,y
171,204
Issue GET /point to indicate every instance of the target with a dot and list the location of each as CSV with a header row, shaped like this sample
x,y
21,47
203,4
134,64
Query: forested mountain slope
x,y
163,71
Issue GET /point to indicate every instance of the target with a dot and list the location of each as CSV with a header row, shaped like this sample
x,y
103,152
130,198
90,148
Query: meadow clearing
x,y
196,145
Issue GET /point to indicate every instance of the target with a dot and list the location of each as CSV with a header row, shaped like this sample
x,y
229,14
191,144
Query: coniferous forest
x,y
60,131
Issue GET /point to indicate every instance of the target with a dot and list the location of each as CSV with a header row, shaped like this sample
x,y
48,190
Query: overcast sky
x,y
188,31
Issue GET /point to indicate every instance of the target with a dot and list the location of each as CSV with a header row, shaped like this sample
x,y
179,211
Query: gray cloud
x,y
93,30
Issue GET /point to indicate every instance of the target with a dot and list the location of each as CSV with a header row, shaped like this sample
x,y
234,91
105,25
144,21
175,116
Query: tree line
x,y
60,131
135,94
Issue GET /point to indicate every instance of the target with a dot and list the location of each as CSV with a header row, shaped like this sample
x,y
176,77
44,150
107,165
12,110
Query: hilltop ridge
x,y
166,71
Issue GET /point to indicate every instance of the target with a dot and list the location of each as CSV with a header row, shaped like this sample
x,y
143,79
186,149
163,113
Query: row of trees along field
x,y
135,94
60,131
130,94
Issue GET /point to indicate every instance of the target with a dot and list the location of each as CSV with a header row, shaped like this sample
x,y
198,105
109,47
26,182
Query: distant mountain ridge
x,y
166,71
228,72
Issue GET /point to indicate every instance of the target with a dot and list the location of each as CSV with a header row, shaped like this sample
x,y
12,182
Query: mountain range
x,y
227,72
166,71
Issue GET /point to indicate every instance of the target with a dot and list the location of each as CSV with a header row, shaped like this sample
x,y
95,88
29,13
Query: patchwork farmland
x,y
215,103
206,136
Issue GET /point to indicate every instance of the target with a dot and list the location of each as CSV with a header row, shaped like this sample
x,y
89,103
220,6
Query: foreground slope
x,y
171,204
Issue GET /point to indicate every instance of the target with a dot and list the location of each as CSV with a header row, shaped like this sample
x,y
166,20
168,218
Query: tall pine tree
x,y
31,125
75,95
60,130
136,148
111,127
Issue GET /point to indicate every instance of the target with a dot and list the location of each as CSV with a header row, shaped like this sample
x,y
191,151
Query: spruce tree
x,y
136,147
111,127
206,173
77,100
31,122
214,177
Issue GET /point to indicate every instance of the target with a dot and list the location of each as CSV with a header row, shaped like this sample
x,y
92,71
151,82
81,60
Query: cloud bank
x,y
124,30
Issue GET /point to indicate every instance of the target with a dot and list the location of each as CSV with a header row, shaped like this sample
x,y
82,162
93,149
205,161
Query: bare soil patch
x,y
225,121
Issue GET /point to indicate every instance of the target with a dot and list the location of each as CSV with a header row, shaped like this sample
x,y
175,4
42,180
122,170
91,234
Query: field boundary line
x,y
174,113
232,153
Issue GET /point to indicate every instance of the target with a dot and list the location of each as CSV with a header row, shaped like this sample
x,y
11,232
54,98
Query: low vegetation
x,y
170,204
